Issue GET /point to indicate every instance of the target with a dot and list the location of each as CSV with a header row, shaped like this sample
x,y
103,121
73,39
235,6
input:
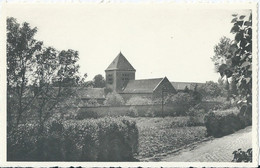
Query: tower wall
x,y
122,78
111,80
116,80
118,73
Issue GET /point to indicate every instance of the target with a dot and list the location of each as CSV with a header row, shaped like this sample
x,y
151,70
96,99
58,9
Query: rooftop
x,y
142,85
120,63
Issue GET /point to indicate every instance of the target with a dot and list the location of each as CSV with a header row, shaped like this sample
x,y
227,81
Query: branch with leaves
x,y
39,78
238,57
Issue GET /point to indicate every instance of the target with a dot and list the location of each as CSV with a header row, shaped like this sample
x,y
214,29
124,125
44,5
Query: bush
x,y
139,101
184,100
93,103
245,115
182,122
105,139
28,143
196,116
139,112
223,104
132,112
151,113
210,89
85,113
228,121
114,99
221,125
242,156
22,142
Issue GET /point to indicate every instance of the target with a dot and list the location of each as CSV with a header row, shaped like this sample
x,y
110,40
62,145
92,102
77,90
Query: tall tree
x,y
37,76
61,66
209,90
21,51
99,81
239,58
221,51
227,88
233,87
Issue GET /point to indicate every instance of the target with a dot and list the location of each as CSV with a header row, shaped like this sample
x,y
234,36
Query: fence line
x,y
141,110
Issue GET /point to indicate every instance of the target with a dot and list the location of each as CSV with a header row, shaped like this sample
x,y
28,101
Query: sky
x,y
175,41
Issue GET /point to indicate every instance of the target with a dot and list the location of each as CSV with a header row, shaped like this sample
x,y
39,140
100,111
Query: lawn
x,y
161,135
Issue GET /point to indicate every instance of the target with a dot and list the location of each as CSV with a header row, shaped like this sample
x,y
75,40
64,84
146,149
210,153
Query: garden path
x,y
216,150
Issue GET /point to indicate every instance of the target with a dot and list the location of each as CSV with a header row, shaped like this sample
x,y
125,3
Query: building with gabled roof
x,y
152,88
119,73
120,63
120,77
142,85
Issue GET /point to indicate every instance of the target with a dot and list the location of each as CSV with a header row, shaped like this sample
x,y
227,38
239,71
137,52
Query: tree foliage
x,y
36,75
210,90
21,50
221,51
114,99
99,81
238,63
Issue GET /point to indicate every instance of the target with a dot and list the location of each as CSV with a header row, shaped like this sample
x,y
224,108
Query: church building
x,y
120,77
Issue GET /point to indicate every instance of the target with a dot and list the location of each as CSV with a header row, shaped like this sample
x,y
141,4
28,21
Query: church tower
x,y
118,73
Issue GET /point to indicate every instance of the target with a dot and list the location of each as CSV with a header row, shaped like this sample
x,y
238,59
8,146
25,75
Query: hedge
x,y
220,125
105,139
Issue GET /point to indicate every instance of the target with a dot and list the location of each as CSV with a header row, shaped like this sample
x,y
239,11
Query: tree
x,y
209,90
114,99
221,84
37,76
21,51
89,84
99,81
227,88
61,67
239,57
221,51
186,90
233,87
196,94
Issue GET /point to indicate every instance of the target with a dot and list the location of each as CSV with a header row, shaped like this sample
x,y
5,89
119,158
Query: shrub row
x,y
105,139
132,111
156,111
220,125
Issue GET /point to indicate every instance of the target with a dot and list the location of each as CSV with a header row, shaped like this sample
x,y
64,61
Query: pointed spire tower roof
x,y
120,63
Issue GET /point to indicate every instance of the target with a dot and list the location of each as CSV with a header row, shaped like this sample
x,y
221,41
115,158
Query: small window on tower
x,y
110,78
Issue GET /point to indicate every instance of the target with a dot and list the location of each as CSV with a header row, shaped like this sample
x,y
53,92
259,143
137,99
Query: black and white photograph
x,y
129,84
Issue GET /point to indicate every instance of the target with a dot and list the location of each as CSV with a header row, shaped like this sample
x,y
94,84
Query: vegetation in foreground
x,y
160,135
104,139
28,60
242,156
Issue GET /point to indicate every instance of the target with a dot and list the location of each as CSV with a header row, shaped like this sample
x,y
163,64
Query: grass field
x,y
161,135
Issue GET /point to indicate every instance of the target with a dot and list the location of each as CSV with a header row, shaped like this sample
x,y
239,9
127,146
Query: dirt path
x,y
216,150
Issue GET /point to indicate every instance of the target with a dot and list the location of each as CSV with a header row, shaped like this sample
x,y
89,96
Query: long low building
x,y
120,77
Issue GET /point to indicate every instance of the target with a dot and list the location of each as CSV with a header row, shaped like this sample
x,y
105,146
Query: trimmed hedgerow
x,y
105,139
220,125
85,113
